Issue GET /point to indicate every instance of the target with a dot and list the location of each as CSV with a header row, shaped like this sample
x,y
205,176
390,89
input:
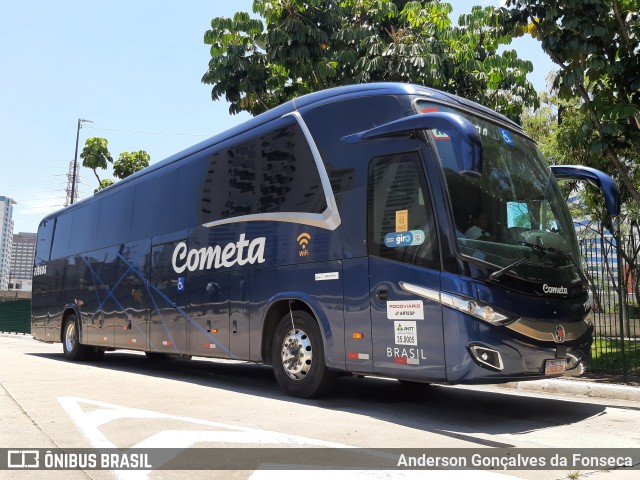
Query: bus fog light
x,y
487,357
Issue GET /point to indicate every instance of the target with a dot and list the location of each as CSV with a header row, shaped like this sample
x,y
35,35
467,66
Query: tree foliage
x,y
104,184
564,132
95,154
129,163
301,46
596,44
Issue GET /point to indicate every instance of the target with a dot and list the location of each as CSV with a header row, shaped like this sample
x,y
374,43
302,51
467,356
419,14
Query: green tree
x,y
596,45
301,46
130,162
568,141
95,154
104,184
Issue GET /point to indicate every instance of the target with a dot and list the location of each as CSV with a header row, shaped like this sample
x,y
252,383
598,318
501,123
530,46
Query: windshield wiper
x,y
570,257
542,249
535,247
498,273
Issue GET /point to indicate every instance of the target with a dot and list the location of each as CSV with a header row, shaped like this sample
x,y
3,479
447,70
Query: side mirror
x,y
597,178
465,138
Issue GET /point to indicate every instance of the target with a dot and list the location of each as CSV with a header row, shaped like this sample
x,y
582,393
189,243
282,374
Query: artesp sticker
x,y
405,309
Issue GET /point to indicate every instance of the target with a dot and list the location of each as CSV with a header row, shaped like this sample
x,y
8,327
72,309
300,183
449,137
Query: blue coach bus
x,y
381,229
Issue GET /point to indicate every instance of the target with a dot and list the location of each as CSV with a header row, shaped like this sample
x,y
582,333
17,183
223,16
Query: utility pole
x,y
75,160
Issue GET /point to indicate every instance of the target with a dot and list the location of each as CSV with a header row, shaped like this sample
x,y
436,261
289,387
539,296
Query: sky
x,y
132,68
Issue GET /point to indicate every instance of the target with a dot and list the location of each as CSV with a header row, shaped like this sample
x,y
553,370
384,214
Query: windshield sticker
x,y
402,220
409,309
506,136
406,333
404,239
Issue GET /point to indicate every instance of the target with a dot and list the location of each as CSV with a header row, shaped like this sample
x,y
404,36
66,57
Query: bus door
x,y
404,259
209,314
167,303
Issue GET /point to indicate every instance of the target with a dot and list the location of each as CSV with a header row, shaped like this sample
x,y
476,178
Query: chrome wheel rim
x,y
296,354
70,336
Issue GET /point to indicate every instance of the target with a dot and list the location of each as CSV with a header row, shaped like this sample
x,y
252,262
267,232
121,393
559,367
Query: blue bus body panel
x,y
407,329
145,273
358,338
319,285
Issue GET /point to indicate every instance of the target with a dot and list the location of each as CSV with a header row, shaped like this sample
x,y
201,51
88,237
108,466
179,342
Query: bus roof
x,y
316,98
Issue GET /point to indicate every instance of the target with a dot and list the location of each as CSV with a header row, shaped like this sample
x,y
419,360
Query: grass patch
x,y
606,356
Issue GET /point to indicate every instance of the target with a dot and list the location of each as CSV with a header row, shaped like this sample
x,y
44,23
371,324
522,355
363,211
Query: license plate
x,y
554,367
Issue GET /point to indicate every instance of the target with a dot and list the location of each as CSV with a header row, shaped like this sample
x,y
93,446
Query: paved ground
x,y
126,401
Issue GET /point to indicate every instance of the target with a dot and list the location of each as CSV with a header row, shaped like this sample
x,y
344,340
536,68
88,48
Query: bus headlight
x,y
465,305
475,309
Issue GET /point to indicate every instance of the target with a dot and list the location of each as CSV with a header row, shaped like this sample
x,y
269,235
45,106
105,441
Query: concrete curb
x,y
579,387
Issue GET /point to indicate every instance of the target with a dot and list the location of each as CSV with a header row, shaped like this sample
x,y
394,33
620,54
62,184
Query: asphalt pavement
x,y
601,387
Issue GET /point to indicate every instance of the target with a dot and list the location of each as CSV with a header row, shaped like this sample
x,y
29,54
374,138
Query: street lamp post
x,y
75,160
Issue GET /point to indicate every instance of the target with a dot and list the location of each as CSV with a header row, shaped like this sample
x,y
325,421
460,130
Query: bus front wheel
x,y
298,356
71,346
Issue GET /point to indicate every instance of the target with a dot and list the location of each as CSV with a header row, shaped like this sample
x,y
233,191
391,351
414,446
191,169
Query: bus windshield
x,y
513,215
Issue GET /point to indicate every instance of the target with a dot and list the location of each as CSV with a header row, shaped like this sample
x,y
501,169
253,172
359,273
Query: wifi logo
x,y
303,240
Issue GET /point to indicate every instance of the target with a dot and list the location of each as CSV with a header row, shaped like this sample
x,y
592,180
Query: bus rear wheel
x,y
71,346
298,356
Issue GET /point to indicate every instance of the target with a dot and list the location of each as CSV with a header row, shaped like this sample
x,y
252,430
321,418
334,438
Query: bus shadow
x,y
457,412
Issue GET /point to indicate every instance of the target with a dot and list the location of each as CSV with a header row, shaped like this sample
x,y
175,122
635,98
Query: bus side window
x,y
115,218
45,236
61,236
398,201
273,172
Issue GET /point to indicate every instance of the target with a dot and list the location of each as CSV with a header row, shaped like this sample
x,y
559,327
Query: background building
x,y
6,237
22,254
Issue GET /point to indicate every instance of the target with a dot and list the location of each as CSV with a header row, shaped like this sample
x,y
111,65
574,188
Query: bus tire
x,y
71,347
298,357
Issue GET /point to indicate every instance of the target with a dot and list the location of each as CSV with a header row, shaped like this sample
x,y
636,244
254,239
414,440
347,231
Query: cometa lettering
x,y
557,290
241,253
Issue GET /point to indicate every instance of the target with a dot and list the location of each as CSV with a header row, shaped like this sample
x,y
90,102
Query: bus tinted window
x,y
401,223
188,194
115,218
45,234
273,172
85,220
61,235
154,207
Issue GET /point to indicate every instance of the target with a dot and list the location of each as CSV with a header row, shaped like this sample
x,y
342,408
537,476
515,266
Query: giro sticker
x,y
404,239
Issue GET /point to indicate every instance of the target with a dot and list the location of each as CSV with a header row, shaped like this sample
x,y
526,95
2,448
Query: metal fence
x,y
612,273
15,315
